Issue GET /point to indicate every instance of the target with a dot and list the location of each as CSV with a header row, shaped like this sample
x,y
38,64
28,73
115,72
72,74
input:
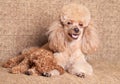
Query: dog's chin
x,y
73,36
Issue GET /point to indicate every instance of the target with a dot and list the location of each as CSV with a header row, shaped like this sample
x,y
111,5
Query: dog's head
x,y
75,24
75,18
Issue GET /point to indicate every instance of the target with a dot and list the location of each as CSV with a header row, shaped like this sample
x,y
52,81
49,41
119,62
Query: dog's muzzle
x,y
74,33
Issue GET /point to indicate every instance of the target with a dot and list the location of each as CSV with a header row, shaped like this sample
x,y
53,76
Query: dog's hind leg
x,y
22,67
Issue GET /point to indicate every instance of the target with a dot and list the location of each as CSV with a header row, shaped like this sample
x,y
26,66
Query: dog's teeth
x,y
74,36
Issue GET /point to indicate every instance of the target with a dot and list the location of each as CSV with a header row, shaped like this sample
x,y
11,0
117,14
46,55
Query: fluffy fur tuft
x,y
57,39
89,41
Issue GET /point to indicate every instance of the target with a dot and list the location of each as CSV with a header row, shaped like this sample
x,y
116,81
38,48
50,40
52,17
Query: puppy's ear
x,y
56,37
90,40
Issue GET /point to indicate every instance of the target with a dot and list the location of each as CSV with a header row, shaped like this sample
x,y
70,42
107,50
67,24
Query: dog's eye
x,y
81,24
69,23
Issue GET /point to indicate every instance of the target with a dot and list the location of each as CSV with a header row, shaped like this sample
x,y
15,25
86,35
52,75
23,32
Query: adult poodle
x,y
71,38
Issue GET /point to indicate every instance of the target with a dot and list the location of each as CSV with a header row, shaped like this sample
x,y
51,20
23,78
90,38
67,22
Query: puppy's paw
x,y
51,73
31,71
81,75
27,73
46,74
15,70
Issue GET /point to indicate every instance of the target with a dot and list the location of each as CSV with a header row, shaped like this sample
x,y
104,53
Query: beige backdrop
x,y
23,24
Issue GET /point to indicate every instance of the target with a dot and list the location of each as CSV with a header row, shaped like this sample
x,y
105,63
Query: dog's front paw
x,y
46,74
81,75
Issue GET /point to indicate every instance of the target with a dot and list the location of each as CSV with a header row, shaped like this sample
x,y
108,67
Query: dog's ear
x,y
56,37
63,18
90,40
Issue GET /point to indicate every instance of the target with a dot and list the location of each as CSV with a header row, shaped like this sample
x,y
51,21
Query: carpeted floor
x,y
104,73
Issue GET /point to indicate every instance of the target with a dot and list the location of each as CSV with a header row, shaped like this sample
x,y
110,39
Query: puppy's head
x,y
74,18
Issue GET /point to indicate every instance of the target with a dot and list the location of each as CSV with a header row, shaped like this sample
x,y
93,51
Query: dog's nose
x,y
76,30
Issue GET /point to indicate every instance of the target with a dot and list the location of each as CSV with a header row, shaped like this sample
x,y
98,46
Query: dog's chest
x,y
73,46
74,51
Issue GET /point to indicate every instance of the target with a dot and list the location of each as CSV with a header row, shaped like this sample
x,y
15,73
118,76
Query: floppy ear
x,y
90,40
56,37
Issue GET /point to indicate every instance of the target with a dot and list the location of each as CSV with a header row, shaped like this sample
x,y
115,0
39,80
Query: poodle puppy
x,y
35,61
71,38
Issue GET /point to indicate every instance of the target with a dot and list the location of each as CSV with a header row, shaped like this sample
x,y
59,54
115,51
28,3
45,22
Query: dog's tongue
x,y
75,36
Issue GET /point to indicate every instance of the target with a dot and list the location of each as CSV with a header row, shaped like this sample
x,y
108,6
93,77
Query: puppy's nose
x,y
76,30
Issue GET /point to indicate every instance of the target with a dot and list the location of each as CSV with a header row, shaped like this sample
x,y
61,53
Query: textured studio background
x,y
23,24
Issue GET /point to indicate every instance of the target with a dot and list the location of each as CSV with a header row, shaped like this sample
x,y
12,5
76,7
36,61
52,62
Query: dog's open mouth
x,y
74,36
